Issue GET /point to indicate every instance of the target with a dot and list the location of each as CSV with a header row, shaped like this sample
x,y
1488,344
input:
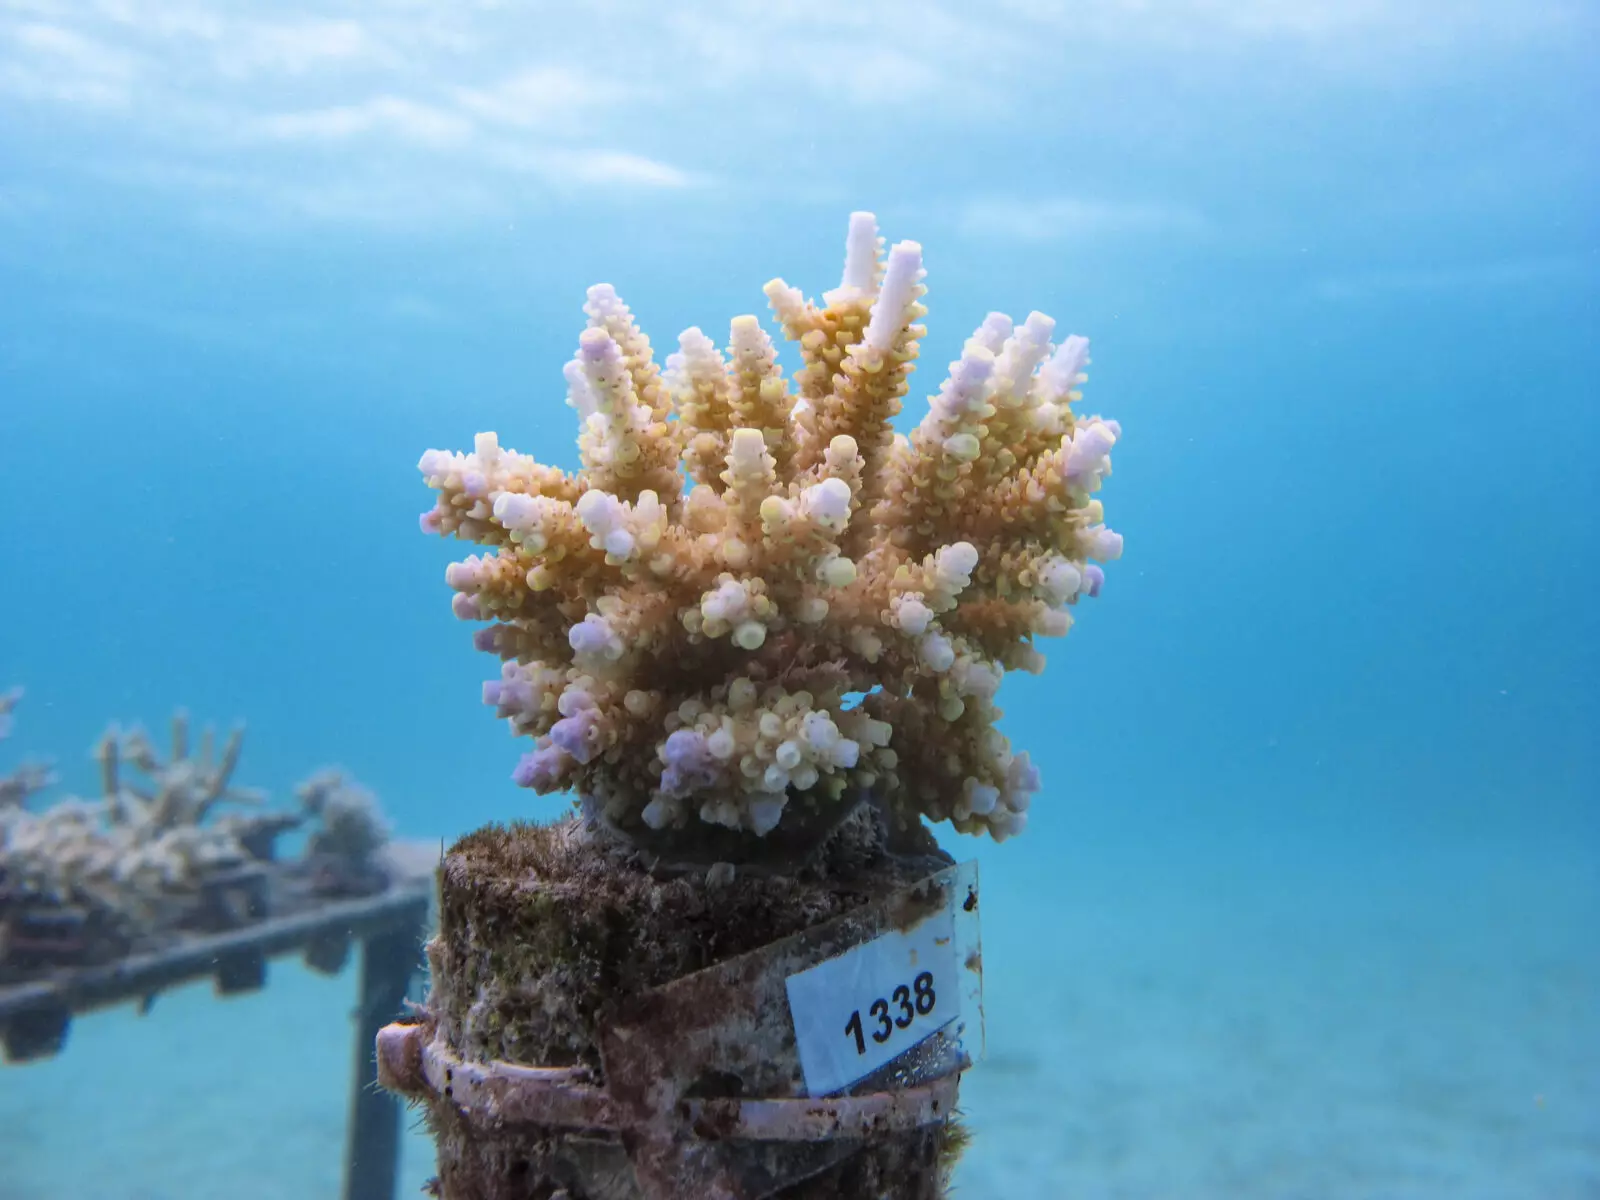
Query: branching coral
x,y
154,835
350,824
144,839
18,785
815,605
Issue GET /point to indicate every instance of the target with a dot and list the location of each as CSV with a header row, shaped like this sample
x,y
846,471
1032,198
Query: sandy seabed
x,y
1333,1028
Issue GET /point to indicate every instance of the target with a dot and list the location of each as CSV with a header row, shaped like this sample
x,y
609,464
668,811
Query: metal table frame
x,y
35,1016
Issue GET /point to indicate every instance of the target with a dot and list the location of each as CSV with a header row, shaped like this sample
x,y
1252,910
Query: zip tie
x,y
497,1094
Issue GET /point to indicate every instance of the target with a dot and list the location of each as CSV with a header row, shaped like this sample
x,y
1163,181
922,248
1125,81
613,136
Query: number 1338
x,y
905,1005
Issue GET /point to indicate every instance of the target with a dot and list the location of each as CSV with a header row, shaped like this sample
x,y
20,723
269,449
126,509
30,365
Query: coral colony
x,y
133,866
756,598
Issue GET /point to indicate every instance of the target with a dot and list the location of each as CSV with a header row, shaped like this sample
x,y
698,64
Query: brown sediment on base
x,y
907,1166
556,946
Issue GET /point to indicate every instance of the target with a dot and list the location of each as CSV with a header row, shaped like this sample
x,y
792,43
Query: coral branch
x,y
29,778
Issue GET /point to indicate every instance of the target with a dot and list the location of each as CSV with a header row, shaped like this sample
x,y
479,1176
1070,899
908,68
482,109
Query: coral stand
x,y
36,1015
597,1031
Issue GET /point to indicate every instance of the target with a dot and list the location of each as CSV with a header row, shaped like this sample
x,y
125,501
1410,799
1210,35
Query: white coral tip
x,y
963,447
1106,545
516,511
764,813
749,635
746,336
819,732
912,615
827,503
593,636
1060,580
982,798
955,564
837,572
1061,372
729,602
595,509
658,814
892,312
789,303
1053,622
745,449
937,652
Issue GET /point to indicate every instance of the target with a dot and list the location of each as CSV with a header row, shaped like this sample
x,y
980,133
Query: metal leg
x,y
372,1146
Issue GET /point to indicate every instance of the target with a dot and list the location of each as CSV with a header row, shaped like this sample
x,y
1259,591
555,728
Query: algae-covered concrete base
x,y
570,972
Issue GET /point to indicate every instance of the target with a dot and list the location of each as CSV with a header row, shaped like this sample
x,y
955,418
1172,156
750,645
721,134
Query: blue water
x,y
1309,906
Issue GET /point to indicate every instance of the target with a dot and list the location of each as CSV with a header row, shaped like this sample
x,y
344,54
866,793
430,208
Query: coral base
x,y
546,931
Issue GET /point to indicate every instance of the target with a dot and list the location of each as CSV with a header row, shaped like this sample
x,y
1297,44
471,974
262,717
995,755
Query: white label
x,y
857,1011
